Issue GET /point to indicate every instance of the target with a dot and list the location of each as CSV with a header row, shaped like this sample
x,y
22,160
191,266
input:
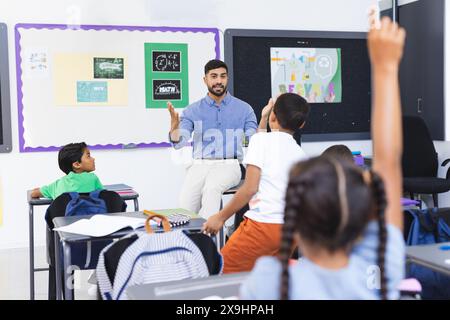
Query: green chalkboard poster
x,y
166,75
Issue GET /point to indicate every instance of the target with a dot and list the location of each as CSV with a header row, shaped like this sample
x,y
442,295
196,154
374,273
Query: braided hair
x,y
380,200
326,218
289,226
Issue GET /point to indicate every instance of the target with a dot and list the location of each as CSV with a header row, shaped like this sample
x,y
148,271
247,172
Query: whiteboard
x,y
98,84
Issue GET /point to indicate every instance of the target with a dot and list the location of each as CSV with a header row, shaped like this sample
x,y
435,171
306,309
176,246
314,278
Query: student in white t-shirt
x,y
269,158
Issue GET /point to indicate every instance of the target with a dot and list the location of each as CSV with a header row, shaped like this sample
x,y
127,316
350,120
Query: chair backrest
x,y
419,155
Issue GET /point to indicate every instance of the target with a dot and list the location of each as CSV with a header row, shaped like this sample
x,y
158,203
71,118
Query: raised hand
x,y
385,50
174,117
265,115
267,109
386,45
374,17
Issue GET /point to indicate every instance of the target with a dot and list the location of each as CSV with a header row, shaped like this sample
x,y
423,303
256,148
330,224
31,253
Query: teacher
x,y
219,123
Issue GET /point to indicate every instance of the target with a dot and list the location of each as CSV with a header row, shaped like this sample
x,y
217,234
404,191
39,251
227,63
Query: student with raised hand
x,y
269,158
347,222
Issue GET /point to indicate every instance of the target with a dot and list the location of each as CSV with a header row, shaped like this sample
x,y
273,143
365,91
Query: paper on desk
x,y
101,225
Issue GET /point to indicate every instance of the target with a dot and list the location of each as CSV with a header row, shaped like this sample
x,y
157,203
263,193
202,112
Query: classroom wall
x,y
157,174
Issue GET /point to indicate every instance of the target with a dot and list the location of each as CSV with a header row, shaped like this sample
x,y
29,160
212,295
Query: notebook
x,y
118,187
101,225
177,219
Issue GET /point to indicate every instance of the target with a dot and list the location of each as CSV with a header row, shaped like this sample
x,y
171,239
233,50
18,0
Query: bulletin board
x,y
106,85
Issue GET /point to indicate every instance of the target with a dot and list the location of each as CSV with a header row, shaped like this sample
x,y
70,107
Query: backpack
x,y
83,253
142,258
430,226
84,205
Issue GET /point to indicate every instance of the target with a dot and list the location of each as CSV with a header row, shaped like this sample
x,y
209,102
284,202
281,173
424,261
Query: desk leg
x,y
31,248
58,266
68,272
408,263
136,204
222,237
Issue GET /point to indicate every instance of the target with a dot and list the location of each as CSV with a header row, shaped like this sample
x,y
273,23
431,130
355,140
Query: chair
x,y
238,216
410,289
420,161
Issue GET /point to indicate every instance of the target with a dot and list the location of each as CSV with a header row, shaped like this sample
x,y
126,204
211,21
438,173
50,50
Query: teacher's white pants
x,y
205,182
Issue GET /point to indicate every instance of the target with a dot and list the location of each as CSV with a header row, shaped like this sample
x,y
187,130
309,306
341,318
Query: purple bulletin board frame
x,y
22,147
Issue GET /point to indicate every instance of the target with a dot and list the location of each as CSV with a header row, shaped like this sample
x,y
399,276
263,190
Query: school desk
x,y
213,287
433,256
32,202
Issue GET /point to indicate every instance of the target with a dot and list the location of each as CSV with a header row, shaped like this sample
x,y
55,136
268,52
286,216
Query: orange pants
x,y
249,242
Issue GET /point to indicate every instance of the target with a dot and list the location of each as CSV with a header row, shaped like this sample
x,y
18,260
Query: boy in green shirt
x,y
76,162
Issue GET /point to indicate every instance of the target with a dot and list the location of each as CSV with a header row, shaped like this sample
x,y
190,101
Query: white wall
x,y
152,172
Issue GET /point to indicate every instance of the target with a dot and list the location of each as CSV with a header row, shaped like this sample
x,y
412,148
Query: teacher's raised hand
x,y
174,122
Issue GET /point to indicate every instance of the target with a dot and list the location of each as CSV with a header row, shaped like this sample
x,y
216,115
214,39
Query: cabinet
x,y
422,68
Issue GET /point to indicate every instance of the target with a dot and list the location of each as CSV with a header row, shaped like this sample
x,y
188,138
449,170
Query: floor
x,y
14,277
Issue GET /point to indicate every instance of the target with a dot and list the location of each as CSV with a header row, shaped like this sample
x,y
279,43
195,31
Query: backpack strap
x,y
419,222
442,229
152,216
95,194
429,220
444,214
73,195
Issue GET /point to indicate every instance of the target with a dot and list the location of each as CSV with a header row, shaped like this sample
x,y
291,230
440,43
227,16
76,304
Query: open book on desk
x,y
101,225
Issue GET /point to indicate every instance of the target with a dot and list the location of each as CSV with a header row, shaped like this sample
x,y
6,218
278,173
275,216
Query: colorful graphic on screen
x,y
313,73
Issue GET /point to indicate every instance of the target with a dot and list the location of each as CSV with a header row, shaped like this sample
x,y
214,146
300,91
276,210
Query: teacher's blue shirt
x,y
218,129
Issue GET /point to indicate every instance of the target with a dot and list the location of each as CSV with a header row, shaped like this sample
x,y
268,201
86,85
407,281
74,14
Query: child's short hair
x,y
340,152
215,64
69,154
291,111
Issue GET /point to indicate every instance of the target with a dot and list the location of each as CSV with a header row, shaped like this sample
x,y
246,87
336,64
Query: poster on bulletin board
x,y
106,85
166,74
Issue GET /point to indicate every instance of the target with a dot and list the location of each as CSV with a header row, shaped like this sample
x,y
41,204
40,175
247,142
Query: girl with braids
x,y
346,222
269,158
